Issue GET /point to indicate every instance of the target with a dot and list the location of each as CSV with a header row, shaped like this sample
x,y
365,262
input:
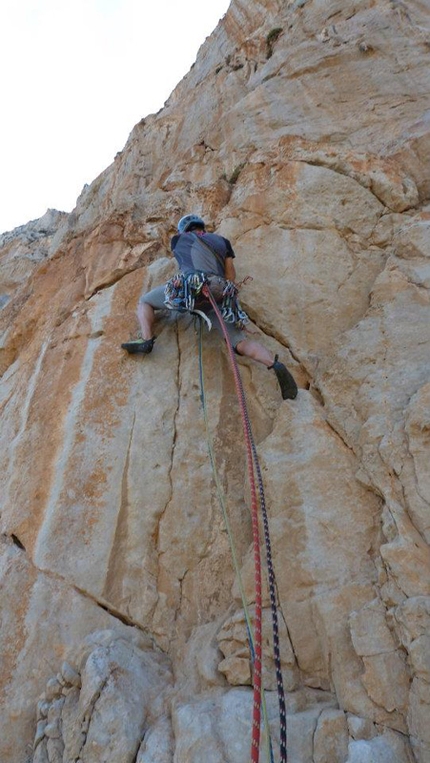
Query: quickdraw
x,y
253,463
181,292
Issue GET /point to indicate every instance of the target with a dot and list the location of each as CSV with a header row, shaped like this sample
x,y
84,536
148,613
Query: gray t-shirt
x,y
193,252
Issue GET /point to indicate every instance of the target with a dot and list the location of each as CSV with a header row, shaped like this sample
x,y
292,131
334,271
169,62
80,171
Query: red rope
x,y
256,715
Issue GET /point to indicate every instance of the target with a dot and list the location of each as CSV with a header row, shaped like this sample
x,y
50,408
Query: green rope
x,y
221,500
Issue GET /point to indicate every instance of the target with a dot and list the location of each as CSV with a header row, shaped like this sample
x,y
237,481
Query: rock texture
x,y
303,134
102,709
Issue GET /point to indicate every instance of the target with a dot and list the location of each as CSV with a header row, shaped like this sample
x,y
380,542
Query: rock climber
x,y
205,257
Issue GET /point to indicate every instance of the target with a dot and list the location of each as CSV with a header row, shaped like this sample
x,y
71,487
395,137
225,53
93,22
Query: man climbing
x,y
205,258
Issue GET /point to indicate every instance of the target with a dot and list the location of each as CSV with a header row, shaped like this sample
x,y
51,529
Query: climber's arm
x,y
229,269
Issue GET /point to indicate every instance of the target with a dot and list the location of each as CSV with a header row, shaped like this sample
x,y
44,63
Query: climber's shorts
x,y
155,298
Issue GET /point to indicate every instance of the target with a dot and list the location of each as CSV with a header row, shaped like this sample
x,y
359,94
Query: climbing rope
x,y
256,714
273,606
220,492
253,463
221,500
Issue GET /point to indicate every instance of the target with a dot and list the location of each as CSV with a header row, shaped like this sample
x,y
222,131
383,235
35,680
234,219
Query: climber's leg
x,y
147,305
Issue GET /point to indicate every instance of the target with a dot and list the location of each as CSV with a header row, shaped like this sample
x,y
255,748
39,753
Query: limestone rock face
x,y
23,249
302,133
97,711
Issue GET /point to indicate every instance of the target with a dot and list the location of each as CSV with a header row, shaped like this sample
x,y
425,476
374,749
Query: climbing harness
x,y
254,469
184,293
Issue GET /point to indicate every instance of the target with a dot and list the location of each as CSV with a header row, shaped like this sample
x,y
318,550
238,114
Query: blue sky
x,y
75,78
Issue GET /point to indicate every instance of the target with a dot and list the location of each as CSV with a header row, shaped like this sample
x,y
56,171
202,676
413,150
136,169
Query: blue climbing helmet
x,y
186,222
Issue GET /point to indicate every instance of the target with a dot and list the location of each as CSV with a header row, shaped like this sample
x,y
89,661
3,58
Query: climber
x,y
205,257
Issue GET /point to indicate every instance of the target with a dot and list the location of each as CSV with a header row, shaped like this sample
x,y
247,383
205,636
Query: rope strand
x,y
256,714
221,499
273,607
253,463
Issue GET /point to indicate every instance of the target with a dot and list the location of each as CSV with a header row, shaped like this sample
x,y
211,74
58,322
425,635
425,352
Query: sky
x,y
75,77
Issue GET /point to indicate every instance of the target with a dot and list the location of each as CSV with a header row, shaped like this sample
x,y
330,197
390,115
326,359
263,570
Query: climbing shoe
x,y
139,345
286,382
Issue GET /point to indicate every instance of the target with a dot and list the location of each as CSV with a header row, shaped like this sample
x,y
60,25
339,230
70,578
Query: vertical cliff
x,y
302,133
